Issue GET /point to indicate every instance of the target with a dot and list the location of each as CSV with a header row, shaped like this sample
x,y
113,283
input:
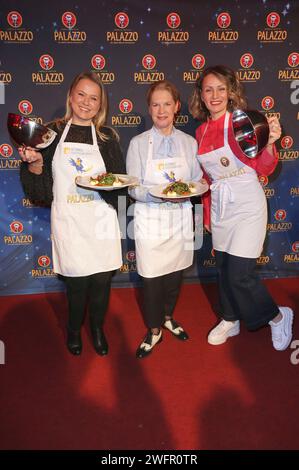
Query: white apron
x,y
85,230
239,208
163,231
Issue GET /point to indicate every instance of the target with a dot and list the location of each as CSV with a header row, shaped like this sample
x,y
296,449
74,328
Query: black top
x,y
38,188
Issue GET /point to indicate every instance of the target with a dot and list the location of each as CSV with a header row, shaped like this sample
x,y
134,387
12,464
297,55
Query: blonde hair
x,y
164,85
237,99
99,120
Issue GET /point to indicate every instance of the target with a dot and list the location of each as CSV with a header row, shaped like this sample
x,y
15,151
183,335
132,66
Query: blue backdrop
x,y
130,44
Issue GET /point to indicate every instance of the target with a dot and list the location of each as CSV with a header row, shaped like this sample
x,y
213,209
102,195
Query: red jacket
x,y
263,164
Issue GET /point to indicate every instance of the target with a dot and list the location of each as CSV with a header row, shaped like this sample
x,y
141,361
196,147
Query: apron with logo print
x,y
85,230
238,208
163,231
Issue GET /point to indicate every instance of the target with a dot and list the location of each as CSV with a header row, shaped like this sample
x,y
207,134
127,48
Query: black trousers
x,y
93,290
160,295
242,294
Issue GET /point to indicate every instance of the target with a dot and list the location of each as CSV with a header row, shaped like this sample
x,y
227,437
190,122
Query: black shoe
x,y
74,342
175,329
99,340
148,344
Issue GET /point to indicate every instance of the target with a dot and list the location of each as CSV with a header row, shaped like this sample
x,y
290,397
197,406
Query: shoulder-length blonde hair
x,y
237,99
100,118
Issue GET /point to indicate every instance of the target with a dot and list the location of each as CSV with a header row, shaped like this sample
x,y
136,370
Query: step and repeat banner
x,y
131,44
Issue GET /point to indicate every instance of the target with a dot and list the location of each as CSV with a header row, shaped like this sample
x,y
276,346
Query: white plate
x,y
199,187
84,182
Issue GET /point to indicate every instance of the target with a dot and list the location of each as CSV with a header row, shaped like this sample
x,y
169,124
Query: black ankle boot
x,y
74,342
99,340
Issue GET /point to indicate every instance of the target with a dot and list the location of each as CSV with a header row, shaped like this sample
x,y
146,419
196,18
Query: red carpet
x,y
241,395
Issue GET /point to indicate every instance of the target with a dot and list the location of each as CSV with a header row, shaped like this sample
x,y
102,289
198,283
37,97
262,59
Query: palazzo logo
x,y
126,106
173,35
14,19
247,73
198,62
98,63
149,74
267,104
7,160
44,261
294,256
25,107
223,34
46,75
281,225
15,34
69,34
69,20
125,118
272,33
269,192
121,35
291,72
287,153
5,77
43,268
6,150
130,266
16,236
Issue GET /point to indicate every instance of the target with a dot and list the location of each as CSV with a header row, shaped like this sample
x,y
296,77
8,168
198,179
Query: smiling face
x,y
162,109
85,101
215,95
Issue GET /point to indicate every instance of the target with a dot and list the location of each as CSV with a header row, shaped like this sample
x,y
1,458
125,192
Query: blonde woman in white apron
x,y
163,230
85,231
237,211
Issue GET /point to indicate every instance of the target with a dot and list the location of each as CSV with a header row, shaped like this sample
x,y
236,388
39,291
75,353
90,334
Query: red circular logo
x,y
149,61
286,142
6,150
14,19
25,107
280,214
121,20
293,59
44,261
131,256
16,226
46,62
198,61
263,180
125,106
246,60
69,20
98,62
173,20
223,20
295,247
273,19
267,103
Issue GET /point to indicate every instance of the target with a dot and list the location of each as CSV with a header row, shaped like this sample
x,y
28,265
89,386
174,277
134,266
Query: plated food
x,y
106,181
179,189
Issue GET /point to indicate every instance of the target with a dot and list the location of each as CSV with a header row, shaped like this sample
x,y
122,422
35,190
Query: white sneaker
x,y
282,331
225,329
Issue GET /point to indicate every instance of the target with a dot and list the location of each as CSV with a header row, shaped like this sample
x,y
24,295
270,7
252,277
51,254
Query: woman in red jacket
x,y
235,210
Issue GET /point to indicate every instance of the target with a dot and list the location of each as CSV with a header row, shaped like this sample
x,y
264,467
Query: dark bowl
x,y
251,131
27,132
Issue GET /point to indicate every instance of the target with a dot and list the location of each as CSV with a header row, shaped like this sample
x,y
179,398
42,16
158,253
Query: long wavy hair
x,y
237,99
100,118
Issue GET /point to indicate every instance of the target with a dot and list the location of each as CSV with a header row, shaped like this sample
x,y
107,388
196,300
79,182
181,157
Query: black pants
x,y
243,296
159,297
94,289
